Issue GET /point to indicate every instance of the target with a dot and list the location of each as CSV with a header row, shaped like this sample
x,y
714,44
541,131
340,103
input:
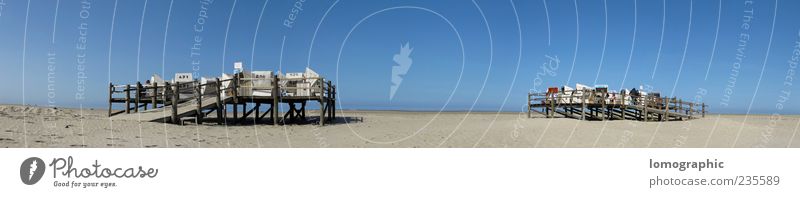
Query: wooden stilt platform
x,y
173,103
597,105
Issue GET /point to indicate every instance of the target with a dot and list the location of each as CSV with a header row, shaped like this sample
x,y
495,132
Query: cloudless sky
x,y
480,56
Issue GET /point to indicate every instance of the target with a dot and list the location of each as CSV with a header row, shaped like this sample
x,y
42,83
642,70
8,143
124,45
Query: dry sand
x,y
24,126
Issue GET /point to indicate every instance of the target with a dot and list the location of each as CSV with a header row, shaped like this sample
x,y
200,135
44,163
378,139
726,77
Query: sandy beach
x,y
26,126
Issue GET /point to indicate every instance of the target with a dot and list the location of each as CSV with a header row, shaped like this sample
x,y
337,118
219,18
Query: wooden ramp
x,y
164,114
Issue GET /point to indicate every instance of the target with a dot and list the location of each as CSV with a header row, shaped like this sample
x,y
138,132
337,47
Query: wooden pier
x,y
602,105
174,102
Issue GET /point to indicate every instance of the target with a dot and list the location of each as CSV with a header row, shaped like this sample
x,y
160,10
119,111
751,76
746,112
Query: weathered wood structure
x,y
590,104
174,102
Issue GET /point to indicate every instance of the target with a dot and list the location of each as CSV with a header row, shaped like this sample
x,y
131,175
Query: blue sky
x,y
482,55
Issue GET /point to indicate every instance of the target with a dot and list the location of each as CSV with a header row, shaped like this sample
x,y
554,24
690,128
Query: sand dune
x,y
25,126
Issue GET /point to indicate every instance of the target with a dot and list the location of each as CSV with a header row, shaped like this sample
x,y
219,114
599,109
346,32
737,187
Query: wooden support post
x,y
666,109
276,92
603,102
624,106
571,95
529,105
552,105
244,109
583,107
175,97
110,92
544,106
235,88
329,103
258,109
219,102
138,95
302,111
321,104
235,111
128,98
167,91
155,95
235,82
646,105
199,97
327,99
703,110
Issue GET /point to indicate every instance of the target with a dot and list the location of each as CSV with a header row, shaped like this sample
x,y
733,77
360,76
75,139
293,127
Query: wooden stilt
x,y
321,104
219,102
128,99
235,112
175,97
199,96
258,108
666,110
703,110
235,82
110,93
155,95
333,103
275,96
583,107
646,105
328,101
604,110
138,94
167,94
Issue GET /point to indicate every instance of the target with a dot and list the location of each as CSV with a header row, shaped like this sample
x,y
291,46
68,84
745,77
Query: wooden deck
x,y
174,102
